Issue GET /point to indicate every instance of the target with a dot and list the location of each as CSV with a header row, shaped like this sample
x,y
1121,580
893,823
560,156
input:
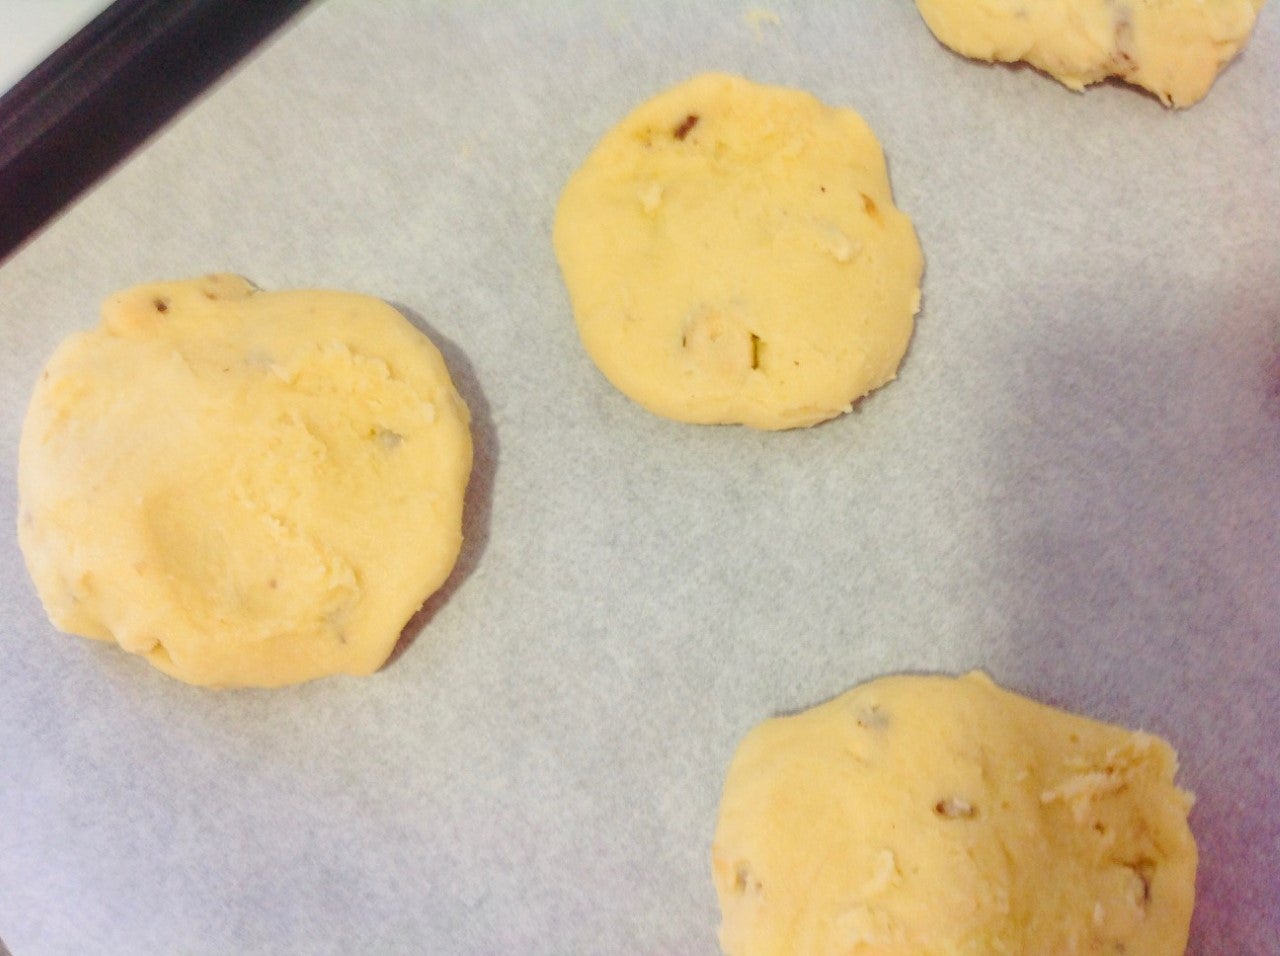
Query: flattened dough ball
x,y
1173,48
245,488
933,816
733,255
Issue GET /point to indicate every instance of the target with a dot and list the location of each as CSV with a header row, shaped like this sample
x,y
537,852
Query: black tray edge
x,y
112,85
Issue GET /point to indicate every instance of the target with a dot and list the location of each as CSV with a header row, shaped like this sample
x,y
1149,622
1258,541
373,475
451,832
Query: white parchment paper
x,y
1074,484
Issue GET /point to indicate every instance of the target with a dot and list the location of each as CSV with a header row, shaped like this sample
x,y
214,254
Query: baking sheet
x,y
1073,484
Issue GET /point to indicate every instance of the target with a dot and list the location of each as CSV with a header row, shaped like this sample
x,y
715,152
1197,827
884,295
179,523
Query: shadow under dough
x,y
479,497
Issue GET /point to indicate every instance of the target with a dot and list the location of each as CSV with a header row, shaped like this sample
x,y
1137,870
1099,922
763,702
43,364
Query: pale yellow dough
x,y
1173,48
933,816
245,488
733,255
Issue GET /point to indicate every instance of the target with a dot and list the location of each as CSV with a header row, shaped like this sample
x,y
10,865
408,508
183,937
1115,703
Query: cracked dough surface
x,y
733,255
245,488
1173,48
937,816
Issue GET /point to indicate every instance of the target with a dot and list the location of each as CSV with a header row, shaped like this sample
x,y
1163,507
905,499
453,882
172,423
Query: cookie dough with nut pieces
x,y
1172,48
934,816
733,254
244,488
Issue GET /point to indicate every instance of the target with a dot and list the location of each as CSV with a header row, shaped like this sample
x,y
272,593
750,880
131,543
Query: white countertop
x,y
32,29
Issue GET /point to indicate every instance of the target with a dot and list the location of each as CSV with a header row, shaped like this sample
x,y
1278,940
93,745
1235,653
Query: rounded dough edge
x,y
144,556
732,254
930,815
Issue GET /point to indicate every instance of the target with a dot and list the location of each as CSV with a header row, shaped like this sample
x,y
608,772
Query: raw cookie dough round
x,y
245,488
935,816
733,255
1173,48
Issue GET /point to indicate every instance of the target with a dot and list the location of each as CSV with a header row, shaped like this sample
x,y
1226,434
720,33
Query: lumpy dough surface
x,y
937,816
246,488
733,255
1173,48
